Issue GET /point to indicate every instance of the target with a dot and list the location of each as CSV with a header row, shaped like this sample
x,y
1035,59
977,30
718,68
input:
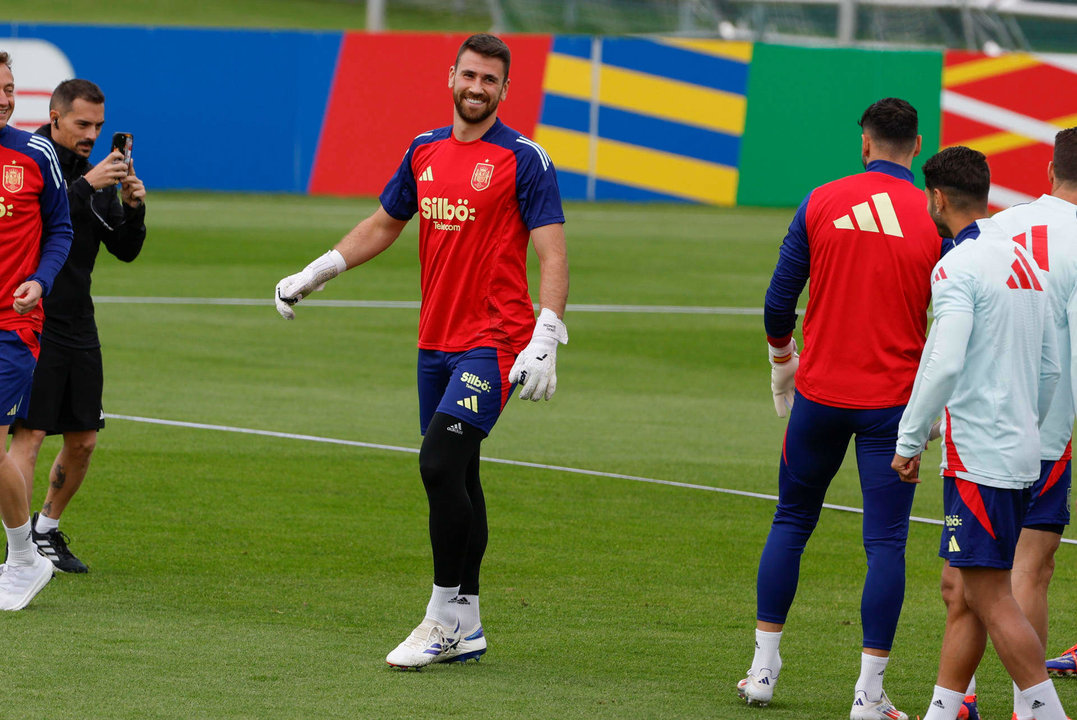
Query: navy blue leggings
x,y
815,444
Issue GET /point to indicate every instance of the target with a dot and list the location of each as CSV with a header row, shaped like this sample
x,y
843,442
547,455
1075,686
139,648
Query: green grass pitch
x,y
252,576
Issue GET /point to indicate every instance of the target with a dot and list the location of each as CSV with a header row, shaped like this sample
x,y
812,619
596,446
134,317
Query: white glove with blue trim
x,y
310,279
536,367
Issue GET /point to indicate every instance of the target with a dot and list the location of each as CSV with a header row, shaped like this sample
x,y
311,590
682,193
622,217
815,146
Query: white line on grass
x,y
518,463
414,305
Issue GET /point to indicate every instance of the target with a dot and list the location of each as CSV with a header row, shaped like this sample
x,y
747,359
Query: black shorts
x,y
66,395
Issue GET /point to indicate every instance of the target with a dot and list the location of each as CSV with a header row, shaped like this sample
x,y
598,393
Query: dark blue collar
x,y
890,168
969,232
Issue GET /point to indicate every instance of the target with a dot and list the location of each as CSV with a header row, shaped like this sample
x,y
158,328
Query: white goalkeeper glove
x,y
313,277
536,367
783,369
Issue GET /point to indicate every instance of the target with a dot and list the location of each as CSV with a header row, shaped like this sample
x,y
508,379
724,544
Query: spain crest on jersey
x,y
12,181
480,179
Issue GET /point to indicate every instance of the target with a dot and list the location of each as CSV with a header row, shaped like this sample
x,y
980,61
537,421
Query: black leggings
x,y
449,464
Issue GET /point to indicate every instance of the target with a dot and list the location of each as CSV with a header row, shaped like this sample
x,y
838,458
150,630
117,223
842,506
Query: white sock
x,y
766,658
1021,710
1044,701
45,524
441,606
870,681
20,548
972,687
945,704
467,609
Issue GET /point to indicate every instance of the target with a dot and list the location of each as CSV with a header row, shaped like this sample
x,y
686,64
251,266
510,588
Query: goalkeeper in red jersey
x,y
482,191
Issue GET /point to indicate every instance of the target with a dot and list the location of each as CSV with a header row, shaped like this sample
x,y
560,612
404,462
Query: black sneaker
x,y
53,545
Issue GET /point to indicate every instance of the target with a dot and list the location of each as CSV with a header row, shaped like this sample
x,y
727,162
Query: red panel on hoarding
x,y
388,88
957,129
1006,106
1023,169
1042,92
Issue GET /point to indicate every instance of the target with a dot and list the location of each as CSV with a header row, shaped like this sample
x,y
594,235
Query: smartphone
x,y
123,142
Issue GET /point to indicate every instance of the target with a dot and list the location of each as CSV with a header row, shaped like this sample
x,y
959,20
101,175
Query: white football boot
x,y
426,644
757,689
881,710
471,647
20,583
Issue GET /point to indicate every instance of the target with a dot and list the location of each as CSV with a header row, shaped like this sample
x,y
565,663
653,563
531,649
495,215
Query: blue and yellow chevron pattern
x,y
645,119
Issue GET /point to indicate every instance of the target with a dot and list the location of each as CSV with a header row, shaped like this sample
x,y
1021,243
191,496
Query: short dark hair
x,y
892,122
961,173
69,91
5,58
489,45
1065,156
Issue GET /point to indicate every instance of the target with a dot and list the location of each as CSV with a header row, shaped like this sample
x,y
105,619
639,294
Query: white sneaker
x,y
425,644
881,710
758,690
471,647
20,583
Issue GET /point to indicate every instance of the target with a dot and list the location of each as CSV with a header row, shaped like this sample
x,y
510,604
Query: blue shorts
x,y
1049,508
982,523
18,356
472,386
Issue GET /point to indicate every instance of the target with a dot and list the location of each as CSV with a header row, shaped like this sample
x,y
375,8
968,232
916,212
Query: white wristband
x,y
327,267
550,326
785,353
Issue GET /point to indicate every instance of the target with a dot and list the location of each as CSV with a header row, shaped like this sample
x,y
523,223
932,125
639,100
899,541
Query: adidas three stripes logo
x,y
864,219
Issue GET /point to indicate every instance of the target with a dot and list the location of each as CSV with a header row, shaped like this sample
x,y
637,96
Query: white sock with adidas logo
x,y
766,660
441,606
20,548
870,681
945,704
1044,702
467,609
1021,710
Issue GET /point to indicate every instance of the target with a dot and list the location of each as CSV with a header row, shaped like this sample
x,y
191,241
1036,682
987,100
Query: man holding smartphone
x,y
67,388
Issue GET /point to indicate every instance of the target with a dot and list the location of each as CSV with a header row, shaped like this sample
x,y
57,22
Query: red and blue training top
x,y
869,246
478,203
35,224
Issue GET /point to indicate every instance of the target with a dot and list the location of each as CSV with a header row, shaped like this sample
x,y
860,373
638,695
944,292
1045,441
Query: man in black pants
x,y
66,394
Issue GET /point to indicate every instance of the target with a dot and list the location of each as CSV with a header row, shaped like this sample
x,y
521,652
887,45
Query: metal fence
x,y
989,25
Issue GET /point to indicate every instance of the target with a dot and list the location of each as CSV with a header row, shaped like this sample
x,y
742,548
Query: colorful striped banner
x,y
645,119
1009,108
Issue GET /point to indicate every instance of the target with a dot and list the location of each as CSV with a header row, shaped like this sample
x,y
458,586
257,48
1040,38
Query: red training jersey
x,y
477,204
35,223
871,246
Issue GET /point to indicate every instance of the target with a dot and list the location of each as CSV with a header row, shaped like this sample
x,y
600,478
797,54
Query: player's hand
x,y
908,469
783,369
312,278
132,191
27,296
536,367
109,171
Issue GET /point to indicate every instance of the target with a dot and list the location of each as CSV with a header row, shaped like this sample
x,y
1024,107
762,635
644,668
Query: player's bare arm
x,y
370,238
536,367
549,242
364,241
